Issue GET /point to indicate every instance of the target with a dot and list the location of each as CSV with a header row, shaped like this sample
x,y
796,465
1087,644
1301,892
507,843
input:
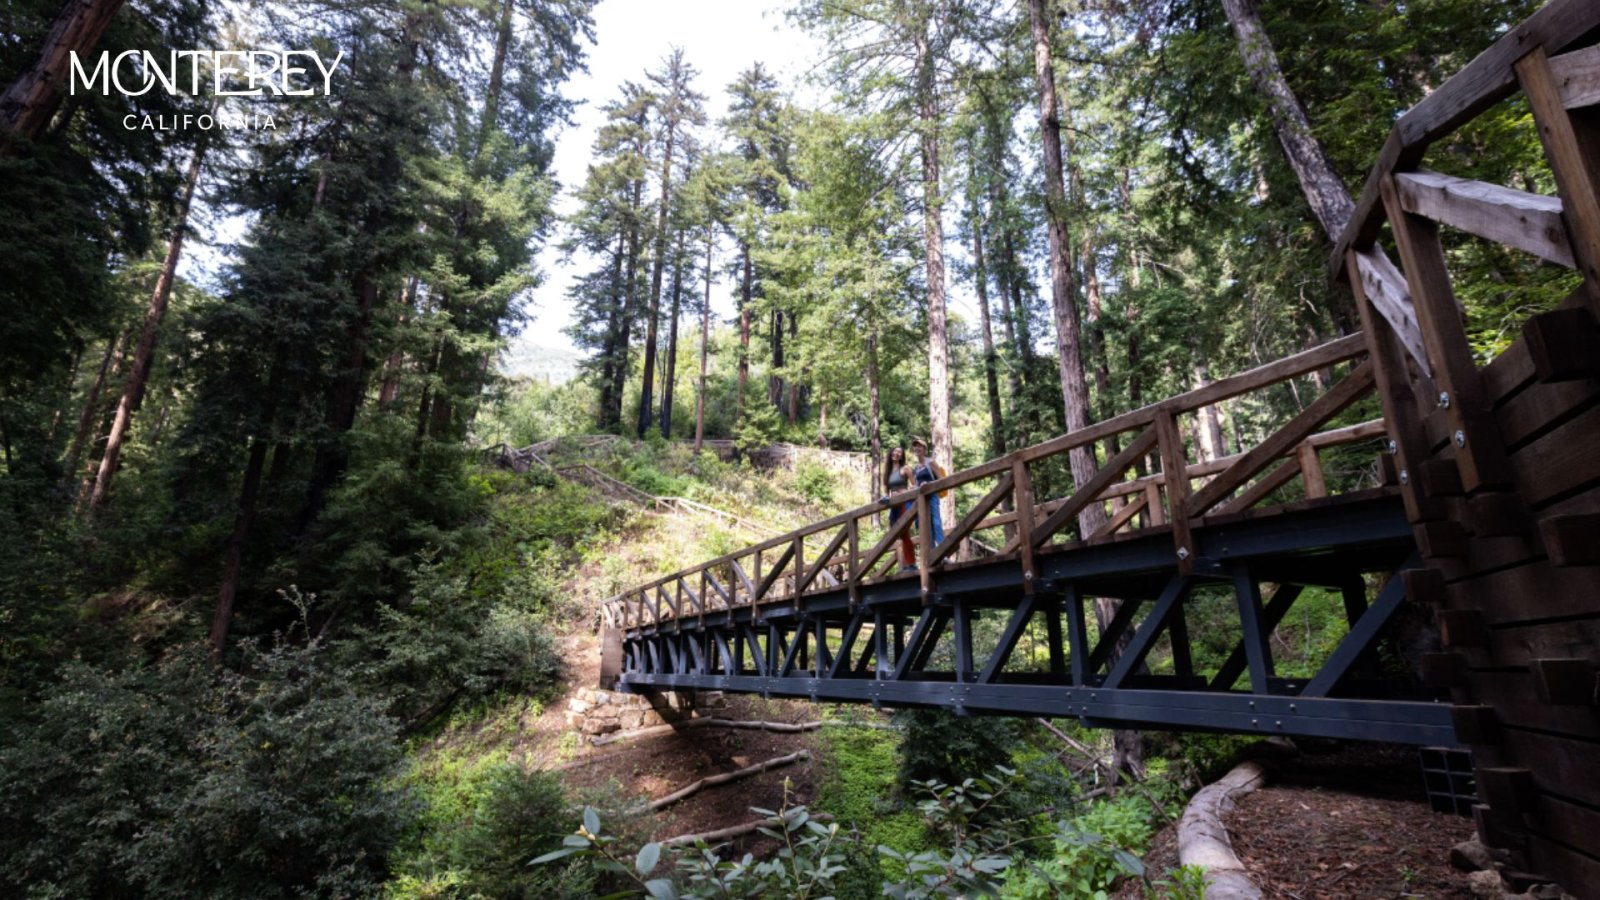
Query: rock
x,y
631,719
1485,886
577,706
600,726
1546,892
600,698
1471,856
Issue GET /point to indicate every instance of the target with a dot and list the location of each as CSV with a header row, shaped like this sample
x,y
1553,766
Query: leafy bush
x,y
937,745
815,482
1089,853
186,780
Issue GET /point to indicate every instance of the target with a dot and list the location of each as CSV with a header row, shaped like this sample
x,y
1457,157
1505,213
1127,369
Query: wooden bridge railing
x,y
849,550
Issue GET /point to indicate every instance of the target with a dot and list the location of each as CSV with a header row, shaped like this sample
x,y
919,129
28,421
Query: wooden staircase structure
x,y
1484,515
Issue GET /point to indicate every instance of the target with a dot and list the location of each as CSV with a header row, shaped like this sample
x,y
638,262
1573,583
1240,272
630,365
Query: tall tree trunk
x,y
144,356
608,340
497,74
933,247
69,386
344,400
233,564
794,380
705,349
30,100
991,376
626,312
1074,387
1325,193
874,423
1097,338
774,380
672,343
1207,424
656,266
91,407
746,288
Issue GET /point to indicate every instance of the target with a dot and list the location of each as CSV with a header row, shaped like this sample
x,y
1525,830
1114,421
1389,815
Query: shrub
x,y
185,780
815,482
937,745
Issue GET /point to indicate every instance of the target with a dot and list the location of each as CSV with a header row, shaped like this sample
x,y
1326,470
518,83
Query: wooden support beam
x,y
1022,485
1090,492
1235,665
1577,77
1462,628
1122,517
1346,392
1529,222
1381,283
1563,344
822,560
1256,634
1572,540
1476,724
1572,162
1174,465
969,522
1311,470
1144,638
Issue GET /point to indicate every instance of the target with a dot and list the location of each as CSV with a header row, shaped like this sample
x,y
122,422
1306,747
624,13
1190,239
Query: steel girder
x,y
894,649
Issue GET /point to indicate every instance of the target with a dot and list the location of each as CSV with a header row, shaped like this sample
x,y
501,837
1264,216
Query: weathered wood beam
x,y
1529,222
1577,77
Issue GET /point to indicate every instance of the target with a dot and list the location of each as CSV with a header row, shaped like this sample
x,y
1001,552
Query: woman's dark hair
x,y
889,464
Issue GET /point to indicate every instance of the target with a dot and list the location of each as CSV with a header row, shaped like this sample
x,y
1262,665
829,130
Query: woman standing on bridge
x,y
896,478
927,471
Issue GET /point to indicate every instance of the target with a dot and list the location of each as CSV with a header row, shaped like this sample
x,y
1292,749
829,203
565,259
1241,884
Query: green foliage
x,y
184,779
938,745
757,428
805,865
485,819
814,481
1088,853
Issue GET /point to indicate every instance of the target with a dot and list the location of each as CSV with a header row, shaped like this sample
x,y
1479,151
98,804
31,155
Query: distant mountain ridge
x,y
556,365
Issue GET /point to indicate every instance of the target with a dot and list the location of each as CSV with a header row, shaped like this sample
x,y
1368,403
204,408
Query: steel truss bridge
x,y
1480,518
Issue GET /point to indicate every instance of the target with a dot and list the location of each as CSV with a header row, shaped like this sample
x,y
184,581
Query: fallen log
x,y
723,834
725,777
1203,841
751,724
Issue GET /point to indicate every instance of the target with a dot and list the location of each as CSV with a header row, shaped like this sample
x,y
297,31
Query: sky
x,y
721,38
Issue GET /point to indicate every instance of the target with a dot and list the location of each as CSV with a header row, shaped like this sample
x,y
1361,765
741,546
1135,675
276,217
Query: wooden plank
x,y
1259,491
1575,174
1311,470
1512,694
1528,222
739,573
1561,765
1022,484
1577,77
1090,492
822,560
1122,517
1482,458
883,544
968,522
1529,593
1346,392
1541,408
1174,464
1507,373
1561,462
1572,827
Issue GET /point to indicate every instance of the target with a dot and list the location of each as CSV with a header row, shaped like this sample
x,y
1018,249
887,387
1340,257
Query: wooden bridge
x,y
1482,513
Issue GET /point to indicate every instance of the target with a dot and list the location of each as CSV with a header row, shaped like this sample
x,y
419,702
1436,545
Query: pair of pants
x,y
908,553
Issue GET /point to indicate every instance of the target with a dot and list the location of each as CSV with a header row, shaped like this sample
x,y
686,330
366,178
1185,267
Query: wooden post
x,y
1479,450
1022,486
1175,469
924,545
1570,144
1311,471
